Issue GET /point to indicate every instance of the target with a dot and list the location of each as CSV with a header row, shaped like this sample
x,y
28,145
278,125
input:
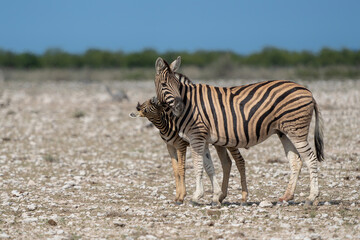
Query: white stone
x,y
338,220
69,185
240,219
31,207
118,223
148,237
31,183
265,204
285,225
4,235
15,193
30,219
78,178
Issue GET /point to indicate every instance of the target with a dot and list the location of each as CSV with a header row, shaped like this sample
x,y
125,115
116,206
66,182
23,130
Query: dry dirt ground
x,y
73,165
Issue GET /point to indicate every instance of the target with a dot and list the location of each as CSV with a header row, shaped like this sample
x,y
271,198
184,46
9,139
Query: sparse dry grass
x,y
105,175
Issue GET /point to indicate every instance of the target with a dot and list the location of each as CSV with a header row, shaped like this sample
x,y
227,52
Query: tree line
x,y
95,58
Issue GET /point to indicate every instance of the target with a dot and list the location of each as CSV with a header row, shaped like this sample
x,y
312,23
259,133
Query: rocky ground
x,y
73,165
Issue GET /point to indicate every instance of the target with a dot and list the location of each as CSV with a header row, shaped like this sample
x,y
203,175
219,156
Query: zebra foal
x,y
242,117
166,122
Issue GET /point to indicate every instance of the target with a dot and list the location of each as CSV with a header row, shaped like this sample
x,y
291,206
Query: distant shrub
x,y
96,58
307,73
79,114
50,158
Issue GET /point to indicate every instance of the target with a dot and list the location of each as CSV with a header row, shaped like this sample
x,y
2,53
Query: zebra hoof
x,y
178,203
195,204
282,203
215,204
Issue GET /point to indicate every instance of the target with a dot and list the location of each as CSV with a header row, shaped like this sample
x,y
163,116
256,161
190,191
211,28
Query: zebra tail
x,y
318,138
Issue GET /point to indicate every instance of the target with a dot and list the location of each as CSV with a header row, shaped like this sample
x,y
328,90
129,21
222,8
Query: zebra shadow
x,y
275,203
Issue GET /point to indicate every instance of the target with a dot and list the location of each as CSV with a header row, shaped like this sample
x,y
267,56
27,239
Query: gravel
x,y
75,166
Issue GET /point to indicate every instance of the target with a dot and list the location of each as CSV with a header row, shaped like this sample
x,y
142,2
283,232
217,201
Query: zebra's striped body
x,y
243,116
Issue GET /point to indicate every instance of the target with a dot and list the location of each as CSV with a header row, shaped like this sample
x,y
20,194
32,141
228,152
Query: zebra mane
x,y
182,78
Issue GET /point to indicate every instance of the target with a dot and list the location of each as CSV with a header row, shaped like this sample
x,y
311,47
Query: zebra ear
x,y
175,65
154,100
159,65
138,106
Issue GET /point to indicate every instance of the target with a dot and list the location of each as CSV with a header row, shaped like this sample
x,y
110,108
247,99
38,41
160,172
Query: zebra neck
x,y
162,123
183,79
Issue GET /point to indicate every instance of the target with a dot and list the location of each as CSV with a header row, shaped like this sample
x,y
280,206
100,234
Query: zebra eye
x,y
163,84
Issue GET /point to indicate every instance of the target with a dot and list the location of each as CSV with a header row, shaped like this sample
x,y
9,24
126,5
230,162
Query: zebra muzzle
x,y
178,107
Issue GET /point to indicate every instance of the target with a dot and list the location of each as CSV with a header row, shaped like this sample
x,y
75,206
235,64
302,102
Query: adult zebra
x,y
242,117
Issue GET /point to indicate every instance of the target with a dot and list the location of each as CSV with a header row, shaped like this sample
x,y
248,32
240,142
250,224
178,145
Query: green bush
x,y
96,58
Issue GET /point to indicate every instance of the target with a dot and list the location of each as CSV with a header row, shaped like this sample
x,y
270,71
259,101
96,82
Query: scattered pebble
x,y
265,204
31,183
52,222
118,223
4,236
30,219
31,207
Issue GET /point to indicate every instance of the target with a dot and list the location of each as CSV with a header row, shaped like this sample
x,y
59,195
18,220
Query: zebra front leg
x,y
210,170
174,161
226,166
295,166
197,153
181,153
240,164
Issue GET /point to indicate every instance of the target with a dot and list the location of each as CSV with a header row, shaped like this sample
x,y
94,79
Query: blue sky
x,y
132,25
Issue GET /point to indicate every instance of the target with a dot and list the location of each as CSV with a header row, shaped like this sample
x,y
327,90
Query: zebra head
x,y
167,85
150,109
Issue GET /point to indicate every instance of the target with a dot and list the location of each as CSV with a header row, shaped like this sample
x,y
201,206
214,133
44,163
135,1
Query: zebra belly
x,y
239,142
226,141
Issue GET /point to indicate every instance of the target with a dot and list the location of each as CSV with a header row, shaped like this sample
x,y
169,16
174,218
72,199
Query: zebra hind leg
x,y
240,164
197,152
295,166
308,155
210,170
226,166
